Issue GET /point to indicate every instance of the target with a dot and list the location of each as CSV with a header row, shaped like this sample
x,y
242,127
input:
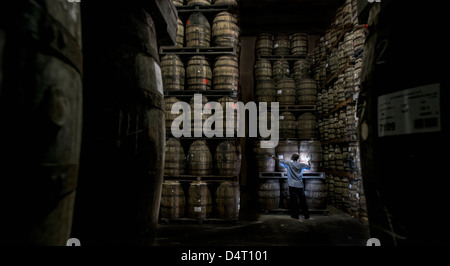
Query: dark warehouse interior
x,y
89,151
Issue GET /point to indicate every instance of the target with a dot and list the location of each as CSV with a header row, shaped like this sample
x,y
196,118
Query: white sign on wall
x,y
415,110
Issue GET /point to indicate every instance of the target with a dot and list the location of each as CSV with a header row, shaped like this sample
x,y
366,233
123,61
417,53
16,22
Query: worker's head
x,y
295,157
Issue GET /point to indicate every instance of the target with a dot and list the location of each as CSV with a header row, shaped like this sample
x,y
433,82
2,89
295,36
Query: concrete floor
x,y
274,229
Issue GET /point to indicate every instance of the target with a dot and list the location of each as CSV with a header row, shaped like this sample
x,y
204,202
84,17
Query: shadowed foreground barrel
x,y
228,200
199,158
269,194
199,200
316,193
172,200
228,158
41,89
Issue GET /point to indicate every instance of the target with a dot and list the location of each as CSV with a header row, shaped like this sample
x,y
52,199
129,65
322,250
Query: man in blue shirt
x,y
296,193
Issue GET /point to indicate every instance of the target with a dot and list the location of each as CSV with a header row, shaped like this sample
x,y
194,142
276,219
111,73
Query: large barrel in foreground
x,y
41,115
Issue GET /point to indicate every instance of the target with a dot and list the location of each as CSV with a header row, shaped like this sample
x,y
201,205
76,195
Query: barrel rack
x,y
213,95
217,178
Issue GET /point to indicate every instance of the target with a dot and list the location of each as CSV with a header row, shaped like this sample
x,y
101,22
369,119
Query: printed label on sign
x,y
197,209
158,76
410,111
279,92
281,117
280,157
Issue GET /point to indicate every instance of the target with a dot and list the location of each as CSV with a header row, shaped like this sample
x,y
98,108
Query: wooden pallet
x,y
297,108
272,175
202,178
205,9
217,50
206,93
197,221
282,57
285,211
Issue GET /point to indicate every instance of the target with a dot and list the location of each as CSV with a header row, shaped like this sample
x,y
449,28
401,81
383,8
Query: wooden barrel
x,y
264,44
301,70
175,158
269,194
225,2
287,125
198,2
307,92
312,149
178,2
299,44
198,125
316,193
284,151
286,91
173,200
228,158
226,73
228,128
169,102
228,200
173,72
265,90
263,161
41,88
124,135
199,158
280,70
198,73
282,44
284,193
263,69
307,126
225,30
199,203
180,34
197,31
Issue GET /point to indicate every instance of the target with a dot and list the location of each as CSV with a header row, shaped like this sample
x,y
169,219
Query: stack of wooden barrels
x,y
336,70
282,74
202,174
